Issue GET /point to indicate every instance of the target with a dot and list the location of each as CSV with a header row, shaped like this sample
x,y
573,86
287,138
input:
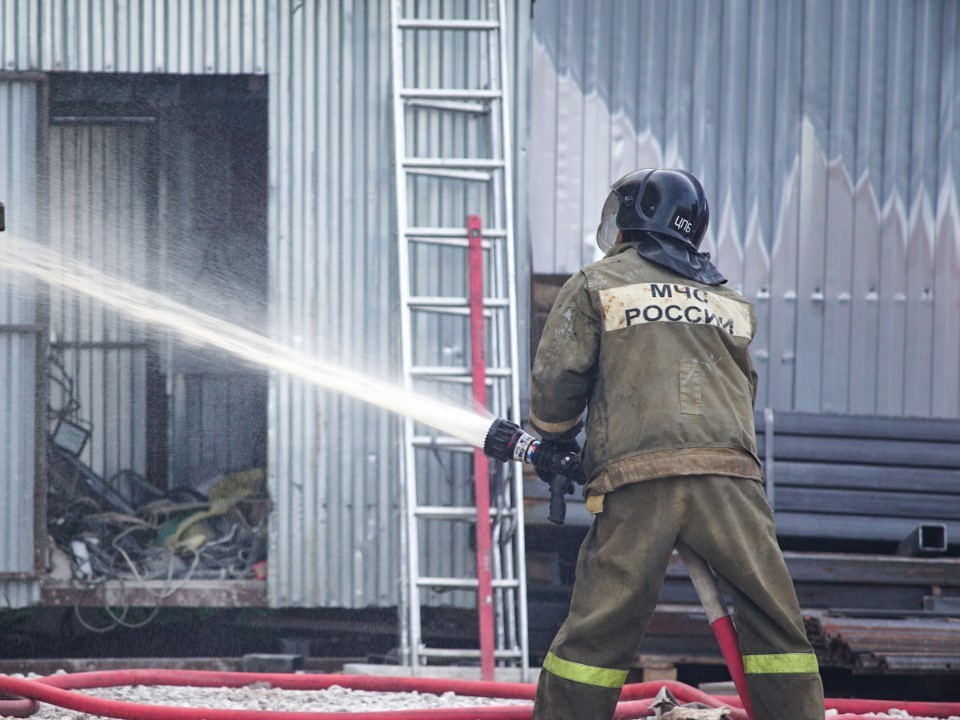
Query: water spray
x,y
206,330
500,439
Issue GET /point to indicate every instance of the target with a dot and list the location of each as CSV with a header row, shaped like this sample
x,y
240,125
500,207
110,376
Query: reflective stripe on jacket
x,y
661,361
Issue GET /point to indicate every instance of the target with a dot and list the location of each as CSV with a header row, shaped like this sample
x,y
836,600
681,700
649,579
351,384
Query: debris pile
x,y
128,531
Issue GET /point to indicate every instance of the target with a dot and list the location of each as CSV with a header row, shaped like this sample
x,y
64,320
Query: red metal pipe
x,y
481,465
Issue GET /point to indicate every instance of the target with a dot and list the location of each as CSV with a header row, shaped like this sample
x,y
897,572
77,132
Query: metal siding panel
x,y
17,356
179,36
726,193
758,179
543,191
817,33
207,35
783,253
100,215
569,170
382,462
706,101
334,464
132,61
18,149
946,334
832,175
840,208
865,311
918,365
518,74
896,174
294,537
596,173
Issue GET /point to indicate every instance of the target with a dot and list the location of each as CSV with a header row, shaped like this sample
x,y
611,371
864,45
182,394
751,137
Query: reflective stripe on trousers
x,y
587,674
780,663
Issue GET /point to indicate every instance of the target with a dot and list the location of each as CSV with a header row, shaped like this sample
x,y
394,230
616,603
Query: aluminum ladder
x,y
452,159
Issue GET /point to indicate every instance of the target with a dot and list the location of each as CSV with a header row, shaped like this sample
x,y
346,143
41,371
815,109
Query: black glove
x,y
559,457
557,463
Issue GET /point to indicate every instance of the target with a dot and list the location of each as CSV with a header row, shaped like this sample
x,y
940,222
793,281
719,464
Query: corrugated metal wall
x,y
189,37
18,314
827,135
333,461
102,191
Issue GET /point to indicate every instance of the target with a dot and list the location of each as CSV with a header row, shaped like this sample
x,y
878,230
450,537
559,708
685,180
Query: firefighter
x,y
652,343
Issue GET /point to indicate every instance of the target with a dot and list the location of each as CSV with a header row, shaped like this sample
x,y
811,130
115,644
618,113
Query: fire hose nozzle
x,y
506,441
559,468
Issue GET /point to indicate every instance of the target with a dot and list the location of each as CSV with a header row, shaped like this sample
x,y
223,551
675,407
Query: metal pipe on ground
x,y
925,539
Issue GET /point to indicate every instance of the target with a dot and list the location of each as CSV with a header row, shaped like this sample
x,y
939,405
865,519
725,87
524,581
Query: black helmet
x,y
669,203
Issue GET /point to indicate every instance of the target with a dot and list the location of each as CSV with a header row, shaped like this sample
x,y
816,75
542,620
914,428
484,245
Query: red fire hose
x,y
635,699
57,690
719,618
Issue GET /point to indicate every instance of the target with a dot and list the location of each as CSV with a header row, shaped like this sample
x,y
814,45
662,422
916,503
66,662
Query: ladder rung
x,y
454,379
442,443
449,94
449,242
435,24
425,233
442,512
462,583
435,512
469,175
454,168
453,163
453,232
429,302
449,371
466,653
465,106
439,371
446,310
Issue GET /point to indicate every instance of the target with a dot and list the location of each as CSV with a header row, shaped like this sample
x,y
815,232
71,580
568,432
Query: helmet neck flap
x,y
666,213
682,258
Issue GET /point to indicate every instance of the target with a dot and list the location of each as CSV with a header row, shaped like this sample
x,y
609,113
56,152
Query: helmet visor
x,y
607,230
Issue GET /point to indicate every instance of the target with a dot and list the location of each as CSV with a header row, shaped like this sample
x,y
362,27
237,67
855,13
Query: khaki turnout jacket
x,y
660,363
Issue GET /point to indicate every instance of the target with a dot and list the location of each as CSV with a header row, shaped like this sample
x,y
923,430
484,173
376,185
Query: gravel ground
x,y
333,699
264,697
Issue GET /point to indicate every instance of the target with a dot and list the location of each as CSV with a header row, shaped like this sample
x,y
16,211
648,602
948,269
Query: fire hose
x,y
635,699
59,690
504,442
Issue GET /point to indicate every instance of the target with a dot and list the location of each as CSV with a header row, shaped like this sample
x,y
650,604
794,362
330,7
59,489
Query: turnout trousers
x,y
620,571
